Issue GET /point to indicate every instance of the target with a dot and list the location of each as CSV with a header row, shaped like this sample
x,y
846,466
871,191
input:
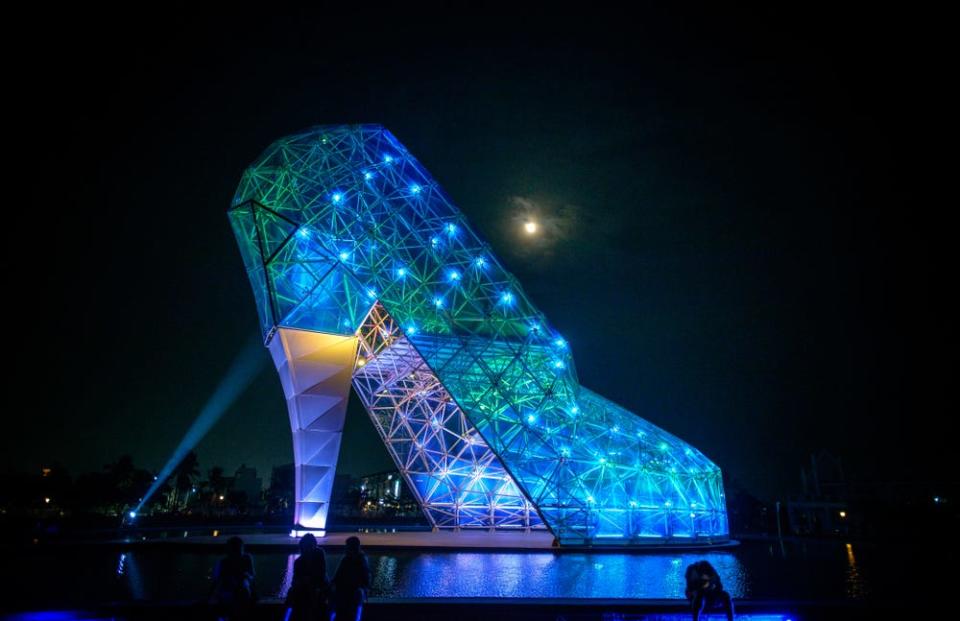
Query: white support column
x,y
315,370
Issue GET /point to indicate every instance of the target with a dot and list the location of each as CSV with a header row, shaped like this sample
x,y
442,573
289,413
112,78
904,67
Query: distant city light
x,y
530,227
843,515
46,500
221,496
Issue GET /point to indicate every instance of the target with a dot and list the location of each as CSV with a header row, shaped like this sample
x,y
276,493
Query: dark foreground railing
x,y
482,609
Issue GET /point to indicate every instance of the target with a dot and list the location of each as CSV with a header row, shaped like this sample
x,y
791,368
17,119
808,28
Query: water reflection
x,y
856,586
536,574
287,580
128,571
827,570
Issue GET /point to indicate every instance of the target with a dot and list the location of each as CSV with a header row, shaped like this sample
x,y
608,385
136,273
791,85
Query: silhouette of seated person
x,y
705,591
234,581
351,582
307,597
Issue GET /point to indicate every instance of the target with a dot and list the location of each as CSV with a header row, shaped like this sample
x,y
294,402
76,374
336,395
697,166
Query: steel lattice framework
x,y
344,234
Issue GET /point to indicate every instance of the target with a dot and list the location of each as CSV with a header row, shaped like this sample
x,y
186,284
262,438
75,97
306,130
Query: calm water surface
x,y
798,571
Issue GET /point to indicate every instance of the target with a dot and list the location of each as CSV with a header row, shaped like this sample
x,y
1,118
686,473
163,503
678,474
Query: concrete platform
x,y
533,541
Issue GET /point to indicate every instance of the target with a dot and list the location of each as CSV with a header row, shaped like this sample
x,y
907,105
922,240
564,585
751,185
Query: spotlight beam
x,y
243,370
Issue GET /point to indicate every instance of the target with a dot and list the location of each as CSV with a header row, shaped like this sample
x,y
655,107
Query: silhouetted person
x,y
307,597
351,582
705,591
233,581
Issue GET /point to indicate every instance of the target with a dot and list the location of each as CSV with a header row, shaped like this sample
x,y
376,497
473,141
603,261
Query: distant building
x,y
824,506
246,481
385,494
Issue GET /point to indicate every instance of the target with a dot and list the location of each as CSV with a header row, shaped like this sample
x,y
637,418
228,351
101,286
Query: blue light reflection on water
x,y
472,574
808,571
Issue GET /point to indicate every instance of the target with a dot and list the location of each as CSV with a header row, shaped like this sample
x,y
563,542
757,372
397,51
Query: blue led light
x,y
451,228
337,198
506,297
562,344
387,159
401,272
411,329
453,275
479,261
368,175
559,364
344,255
371,293
438,302
303,232
434,241
415,189
531,418
132,514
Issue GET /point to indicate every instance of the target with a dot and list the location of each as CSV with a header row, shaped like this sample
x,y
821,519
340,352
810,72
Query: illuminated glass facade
x,y
345,236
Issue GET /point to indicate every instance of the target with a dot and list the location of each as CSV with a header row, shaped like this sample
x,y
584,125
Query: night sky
x,y
742,241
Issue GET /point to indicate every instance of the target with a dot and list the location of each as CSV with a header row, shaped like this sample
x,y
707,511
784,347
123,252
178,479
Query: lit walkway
x,y
465,539
444,539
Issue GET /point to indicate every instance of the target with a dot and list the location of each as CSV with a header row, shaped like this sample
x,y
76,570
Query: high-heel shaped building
x,y
366,274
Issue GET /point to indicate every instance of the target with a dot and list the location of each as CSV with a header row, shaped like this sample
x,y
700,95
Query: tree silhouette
x,y
184,475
